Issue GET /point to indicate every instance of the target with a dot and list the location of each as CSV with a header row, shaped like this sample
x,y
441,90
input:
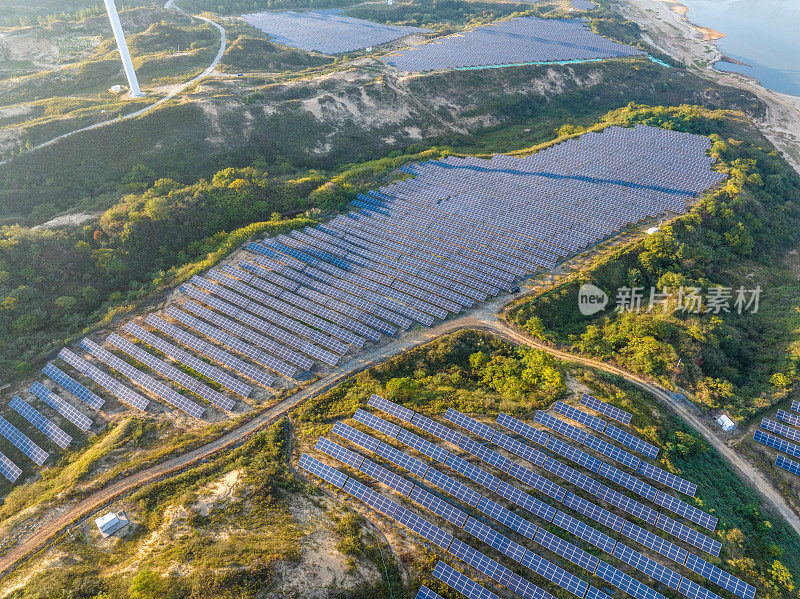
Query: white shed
x,y
725,423
111,523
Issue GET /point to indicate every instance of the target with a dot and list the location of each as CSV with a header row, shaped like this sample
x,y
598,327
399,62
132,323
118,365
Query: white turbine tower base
x,y
122,46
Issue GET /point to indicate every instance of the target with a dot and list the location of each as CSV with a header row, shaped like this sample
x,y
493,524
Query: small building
x,y
111,523
117,89
651,230
725,423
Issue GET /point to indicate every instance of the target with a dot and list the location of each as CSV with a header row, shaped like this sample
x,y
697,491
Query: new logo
x,y
591,299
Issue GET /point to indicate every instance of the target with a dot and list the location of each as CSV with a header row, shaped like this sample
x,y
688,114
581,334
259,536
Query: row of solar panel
x,y
646,538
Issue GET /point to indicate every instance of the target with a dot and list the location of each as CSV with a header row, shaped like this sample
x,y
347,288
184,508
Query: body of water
x,y
764,34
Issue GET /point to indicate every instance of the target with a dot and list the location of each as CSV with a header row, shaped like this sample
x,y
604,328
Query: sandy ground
x,y
667,26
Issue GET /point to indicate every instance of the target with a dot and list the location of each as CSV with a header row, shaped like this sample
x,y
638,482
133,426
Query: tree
x,y
65,303
147,585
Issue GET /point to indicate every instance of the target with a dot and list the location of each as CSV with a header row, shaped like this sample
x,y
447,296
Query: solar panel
x,y
356,436
423,528
594,593
593,511
650,567
403,460
585,532
334,450
438,506
628,440
398,411
529,477
780,429
485,454
788,418
456,580
376,423
119,390
387,477
668,479
452,486
421,445
629,482
505,516
612,451
607,409
47,427
22,442
625,583
567,550
776,443
61,406
571,475
560,426
580,416
629,505
425,593
143,380
9,469
687,511
656,543
573,454
694,591
494,539
473,472
73,386
525,430
787,464
470,424
528,502
720,577
480,562
436,429
533,455
375,500
691,536
323,471
555,574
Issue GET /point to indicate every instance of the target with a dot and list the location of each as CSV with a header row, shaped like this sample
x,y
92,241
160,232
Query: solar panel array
x,y
22,442
787,464
425,593
9,469
143,380
325,31
456,580
51,430
70,384
516,41
777,443
61,406
107,382
606,408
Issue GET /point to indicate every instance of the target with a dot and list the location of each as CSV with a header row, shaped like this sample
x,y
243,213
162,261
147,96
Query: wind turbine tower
x,y
122,45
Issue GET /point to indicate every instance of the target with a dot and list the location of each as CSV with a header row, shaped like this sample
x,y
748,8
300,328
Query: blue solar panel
x,y
438,506
452,486
593,511
560,426
525,430
644,564
340,453
505,516
607,409
323,471
533,455
780,429
573,454
9,469
436,429
532,504
104,380
629,482
555,574
690,535
580,416
687,511
398,411
629,505
494,539
720,577
694,591
625,583
481,562
470,424
628,440
657,544
612,451
375,500
456,580
485,454
539,483
423,528
567,550
788,418
424,447
776,443
473,472
62,407
381,474
425,593
401,459
356,436
376,423
47,427
571,475
73,386
584,531
526,589
668,479
594,593
787,464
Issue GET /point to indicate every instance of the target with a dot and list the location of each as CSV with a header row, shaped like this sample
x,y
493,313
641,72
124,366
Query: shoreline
x,y
666,26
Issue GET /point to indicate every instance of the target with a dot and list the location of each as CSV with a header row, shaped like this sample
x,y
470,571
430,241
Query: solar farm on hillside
x,y
413,252
517,41
326,31
495,486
